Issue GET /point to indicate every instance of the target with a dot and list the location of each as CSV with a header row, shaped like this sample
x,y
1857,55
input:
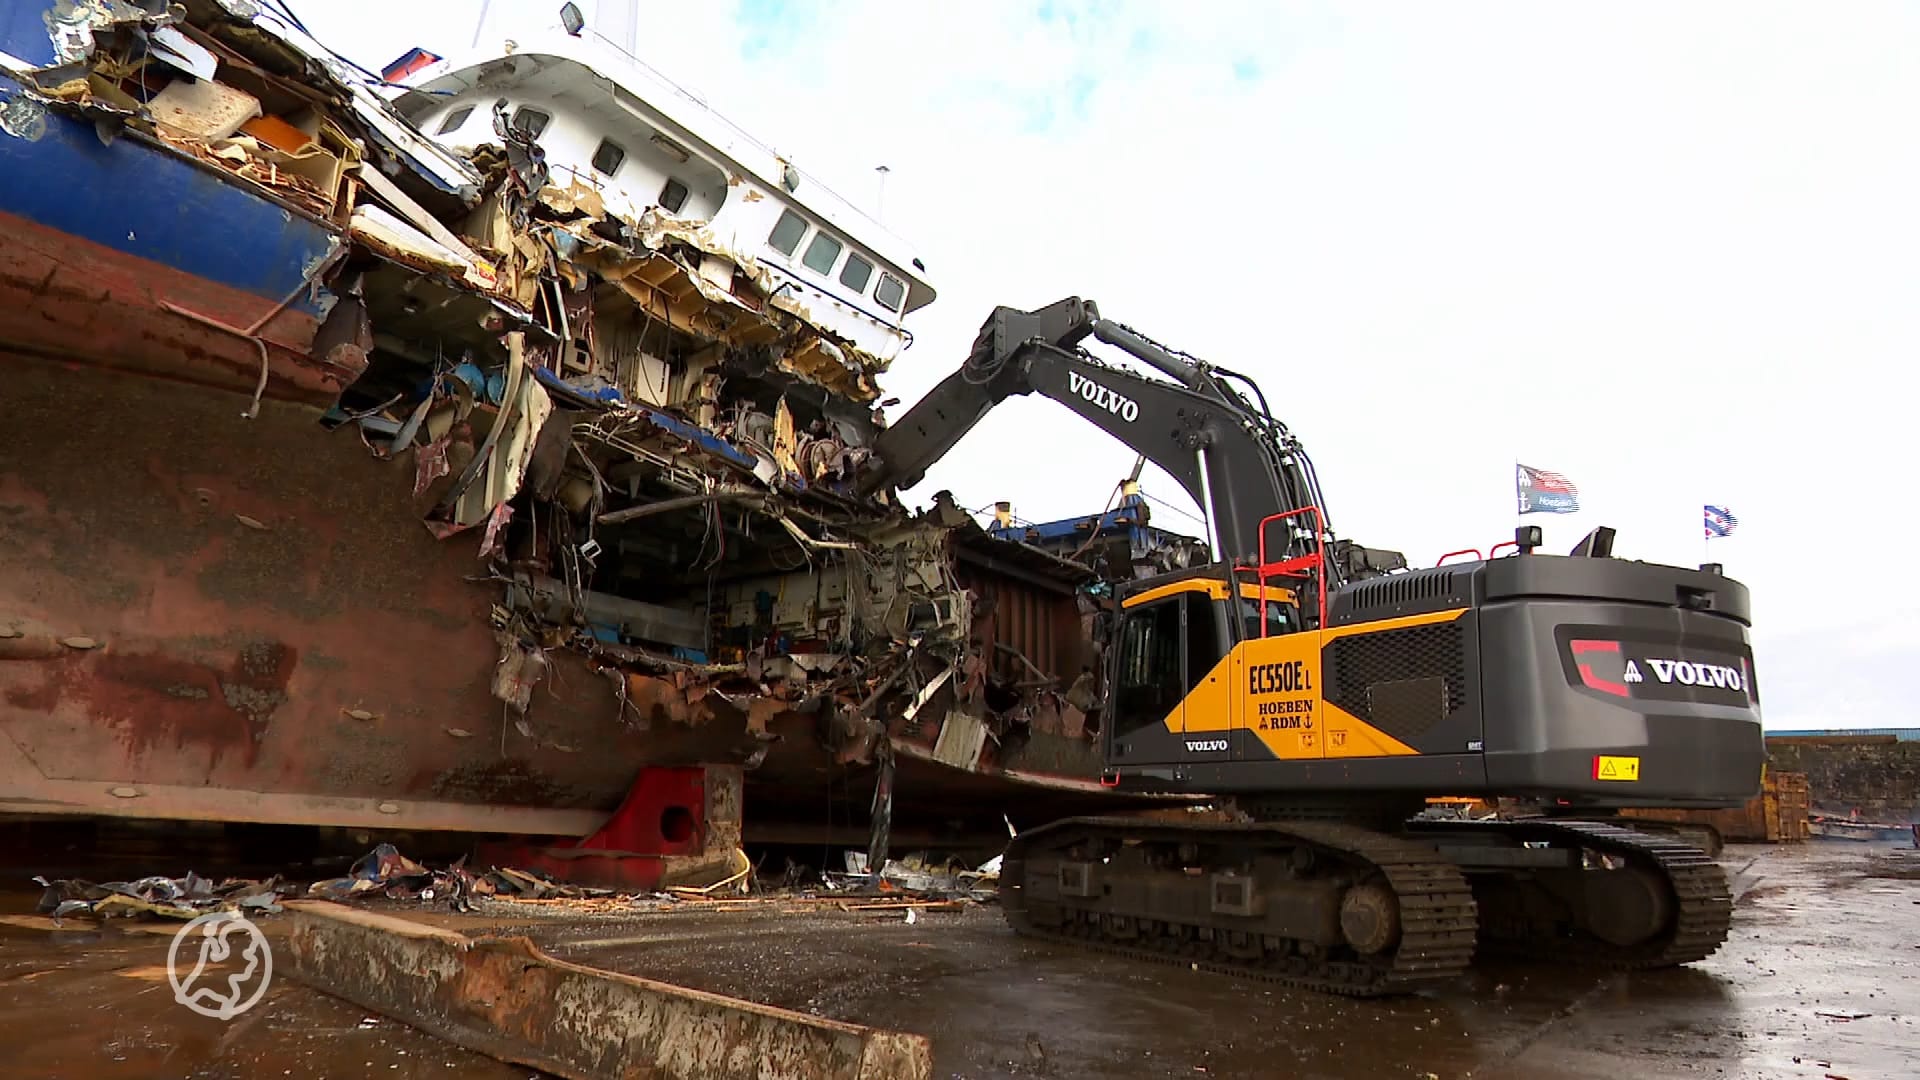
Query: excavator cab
x,y
1172,656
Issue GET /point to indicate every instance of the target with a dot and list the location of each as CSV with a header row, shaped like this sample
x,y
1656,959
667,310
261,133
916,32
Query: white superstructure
x,y
610,122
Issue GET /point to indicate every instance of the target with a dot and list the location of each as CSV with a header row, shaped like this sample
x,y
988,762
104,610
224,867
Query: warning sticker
x,y
1616,768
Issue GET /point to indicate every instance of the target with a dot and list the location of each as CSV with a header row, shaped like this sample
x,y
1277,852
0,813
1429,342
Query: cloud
x,y
1667,252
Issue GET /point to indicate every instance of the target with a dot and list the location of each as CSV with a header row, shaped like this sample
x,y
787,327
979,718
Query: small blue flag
x,y
1543,492
1720,521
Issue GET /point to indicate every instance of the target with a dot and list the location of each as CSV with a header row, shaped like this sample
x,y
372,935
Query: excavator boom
x,y
1238,463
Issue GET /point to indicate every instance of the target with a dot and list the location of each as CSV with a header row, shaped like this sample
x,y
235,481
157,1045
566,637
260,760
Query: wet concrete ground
x,y
1820,928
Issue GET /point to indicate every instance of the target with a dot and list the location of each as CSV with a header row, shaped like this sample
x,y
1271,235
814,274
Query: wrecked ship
x,y
471,445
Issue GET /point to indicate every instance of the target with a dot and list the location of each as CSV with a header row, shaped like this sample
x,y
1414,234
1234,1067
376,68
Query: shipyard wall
x,y
1878,775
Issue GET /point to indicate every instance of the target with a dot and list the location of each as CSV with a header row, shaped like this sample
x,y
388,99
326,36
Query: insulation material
x,y
962,738
785,441
398,240
173,47
519,671
207,111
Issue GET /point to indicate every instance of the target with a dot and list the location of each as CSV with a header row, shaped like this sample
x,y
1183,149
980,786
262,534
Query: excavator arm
x,y
1239,464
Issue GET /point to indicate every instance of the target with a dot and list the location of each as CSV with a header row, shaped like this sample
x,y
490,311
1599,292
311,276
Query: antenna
x,y
880,201
481,23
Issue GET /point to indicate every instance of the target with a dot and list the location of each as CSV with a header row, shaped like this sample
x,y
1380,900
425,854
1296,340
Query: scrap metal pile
x,y
651,449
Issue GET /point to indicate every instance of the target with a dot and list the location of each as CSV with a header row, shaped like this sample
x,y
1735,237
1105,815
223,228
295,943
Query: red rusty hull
x,y
269,620
71,299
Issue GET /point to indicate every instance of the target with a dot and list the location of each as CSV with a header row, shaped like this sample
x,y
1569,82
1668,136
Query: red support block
x,y
675,826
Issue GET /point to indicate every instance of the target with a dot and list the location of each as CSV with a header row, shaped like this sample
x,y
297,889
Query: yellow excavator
x,y
1329,690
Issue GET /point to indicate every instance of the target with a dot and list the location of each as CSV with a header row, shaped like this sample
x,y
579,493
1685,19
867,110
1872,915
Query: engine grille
x,y
1402,589
1402,594
1400,681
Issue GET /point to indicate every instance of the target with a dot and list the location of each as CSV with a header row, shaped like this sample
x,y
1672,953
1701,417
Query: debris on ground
x,y
914,885
508,883
172,898
920,875
386,871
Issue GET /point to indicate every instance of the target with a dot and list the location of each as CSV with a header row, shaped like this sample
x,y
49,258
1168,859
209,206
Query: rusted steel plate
x,y
505,998
332,663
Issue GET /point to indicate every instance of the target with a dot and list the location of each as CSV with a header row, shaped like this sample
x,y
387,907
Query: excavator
x,y
1328,690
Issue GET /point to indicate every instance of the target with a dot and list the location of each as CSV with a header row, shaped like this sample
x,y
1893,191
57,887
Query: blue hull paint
x,y
150,203
23,31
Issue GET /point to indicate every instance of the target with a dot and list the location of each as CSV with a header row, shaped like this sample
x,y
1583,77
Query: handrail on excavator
x,y
1299,566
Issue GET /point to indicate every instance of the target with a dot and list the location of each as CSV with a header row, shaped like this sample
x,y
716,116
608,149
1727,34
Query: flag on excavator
x,y
1544,492
1720,521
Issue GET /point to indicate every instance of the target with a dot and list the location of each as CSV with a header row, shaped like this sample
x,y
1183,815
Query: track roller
x,y
1323,906
1589,892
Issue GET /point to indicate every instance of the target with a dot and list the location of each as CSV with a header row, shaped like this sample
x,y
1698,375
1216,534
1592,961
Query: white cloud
x,y
1668,251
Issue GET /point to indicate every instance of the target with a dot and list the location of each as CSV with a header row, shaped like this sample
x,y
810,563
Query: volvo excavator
x,y
1328,690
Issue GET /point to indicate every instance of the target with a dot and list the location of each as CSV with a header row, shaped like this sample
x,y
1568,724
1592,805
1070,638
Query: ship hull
x,y
263,614
204,617
212,617
215,607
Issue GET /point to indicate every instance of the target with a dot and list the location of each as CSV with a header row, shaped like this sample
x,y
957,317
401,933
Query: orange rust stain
x,y
157,700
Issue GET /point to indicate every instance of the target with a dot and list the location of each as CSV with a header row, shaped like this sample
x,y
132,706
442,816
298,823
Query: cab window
x,y
1282,617
1206,636
1148,682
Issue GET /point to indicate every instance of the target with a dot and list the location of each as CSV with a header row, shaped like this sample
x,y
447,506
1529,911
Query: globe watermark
x,y
218,937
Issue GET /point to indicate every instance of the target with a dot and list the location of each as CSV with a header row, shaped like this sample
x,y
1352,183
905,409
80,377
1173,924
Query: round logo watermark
x,y
216,936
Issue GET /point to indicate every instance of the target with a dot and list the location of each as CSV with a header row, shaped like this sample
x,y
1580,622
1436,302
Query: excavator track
x,y
1134,885
1697,905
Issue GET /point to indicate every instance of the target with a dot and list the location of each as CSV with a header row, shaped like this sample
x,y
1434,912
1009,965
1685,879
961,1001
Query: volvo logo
x,y
1206,746
1118,404
1693,673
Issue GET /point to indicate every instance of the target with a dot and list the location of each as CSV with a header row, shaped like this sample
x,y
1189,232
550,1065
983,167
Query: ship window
x,y
787,232
891,292
856,273
673,196
821,254
455,119
531,120
607,159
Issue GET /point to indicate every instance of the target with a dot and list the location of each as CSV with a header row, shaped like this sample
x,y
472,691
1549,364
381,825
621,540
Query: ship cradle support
x,y
1354,911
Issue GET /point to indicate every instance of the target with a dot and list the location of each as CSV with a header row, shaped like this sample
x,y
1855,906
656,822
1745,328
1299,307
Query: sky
x,y
1670,251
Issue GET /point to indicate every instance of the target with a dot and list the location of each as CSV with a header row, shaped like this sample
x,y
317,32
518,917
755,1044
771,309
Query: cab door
x,y
1170,687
